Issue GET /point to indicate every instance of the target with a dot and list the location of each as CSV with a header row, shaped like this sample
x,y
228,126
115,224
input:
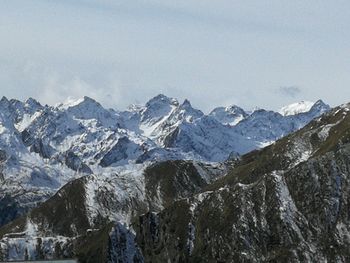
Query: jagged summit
x,y
158,107
234,109
80,102
87,108
230,115
32,103
4,103
186,103
320,106
188,110
3,99
161,99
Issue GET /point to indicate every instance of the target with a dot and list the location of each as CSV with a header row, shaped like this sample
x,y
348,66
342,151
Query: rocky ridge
x,y
113,167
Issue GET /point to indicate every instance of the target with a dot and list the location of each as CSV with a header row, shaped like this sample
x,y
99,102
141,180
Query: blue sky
x,y
250,53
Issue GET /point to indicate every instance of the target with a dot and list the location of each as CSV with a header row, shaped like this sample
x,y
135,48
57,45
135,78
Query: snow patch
x,y
288,210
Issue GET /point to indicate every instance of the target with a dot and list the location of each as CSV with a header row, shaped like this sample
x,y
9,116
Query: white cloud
x,y
56,90
289,91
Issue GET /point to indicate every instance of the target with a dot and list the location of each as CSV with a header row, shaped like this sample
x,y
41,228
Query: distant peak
x,y
71,102
232,109
320,106
4,99
303,107
186,104
162,99
320,102
32,102
235,109
187,109
296,108
4,102
230,115
135,107
257,109
87,99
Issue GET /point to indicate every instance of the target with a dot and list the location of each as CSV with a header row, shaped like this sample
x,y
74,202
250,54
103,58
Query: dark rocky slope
x,y
65,226
288,202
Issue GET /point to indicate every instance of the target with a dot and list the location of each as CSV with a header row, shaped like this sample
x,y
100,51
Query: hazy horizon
x,y
70,100
213,53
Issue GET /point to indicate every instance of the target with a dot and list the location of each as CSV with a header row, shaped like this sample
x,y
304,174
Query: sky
x,y
249,53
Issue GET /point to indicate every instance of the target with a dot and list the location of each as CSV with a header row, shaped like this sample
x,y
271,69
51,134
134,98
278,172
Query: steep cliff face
x,y
288,202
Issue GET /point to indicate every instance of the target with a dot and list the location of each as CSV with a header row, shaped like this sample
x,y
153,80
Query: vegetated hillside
x,y
89,213
287,202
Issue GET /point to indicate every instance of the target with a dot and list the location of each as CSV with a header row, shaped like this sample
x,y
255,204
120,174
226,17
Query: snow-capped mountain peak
x,y
80,102
296,108
161,100
158,107
230,115
87,108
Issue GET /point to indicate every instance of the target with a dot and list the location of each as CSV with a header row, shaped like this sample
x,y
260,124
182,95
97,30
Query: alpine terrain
x,y
165,182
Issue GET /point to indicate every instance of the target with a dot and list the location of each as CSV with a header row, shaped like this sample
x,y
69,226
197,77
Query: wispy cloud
x,y
289,91
57,89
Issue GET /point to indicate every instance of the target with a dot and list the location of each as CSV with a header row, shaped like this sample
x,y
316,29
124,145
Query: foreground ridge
x,y
287,202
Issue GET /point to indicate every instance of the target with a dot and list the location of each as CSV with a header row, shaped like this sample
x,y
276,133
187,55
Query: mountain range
x,y
164,182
